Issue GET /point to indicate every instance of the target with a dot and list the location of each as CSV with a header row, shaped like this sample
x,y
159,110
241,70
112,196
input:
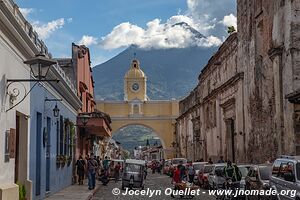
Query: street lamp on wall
x,y
39,68
56,111
84,119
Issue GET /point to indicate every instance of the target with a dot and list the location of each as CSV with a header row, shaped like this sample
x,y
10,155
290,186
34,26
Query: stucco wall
x,y
59,177
11,67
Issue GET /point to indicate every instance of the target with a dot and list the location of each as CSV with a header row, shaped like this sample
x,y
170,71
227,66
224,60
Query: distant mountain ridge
x,y
171,73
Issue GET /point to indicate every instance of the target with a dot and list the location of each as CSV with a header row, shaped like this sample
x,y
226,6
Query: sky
x,y
107,27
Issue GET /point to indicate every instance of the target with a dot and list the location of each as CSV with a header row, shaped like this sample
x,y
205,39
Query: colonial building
x,y
208,114
94,132
38,116
245,106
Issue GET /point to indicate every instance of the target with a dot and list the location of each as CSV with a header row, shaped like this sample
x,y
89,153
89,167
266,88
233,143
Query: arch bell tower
x,y
135,87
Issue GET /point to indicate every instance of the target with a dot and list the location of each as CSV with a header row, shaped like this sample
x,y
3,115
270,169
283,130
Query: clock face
x,y
135,87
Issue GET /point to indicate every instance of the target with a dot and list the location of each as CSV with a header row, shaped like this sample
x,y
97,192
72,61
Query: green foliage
x,y
126,154
22,191
230,29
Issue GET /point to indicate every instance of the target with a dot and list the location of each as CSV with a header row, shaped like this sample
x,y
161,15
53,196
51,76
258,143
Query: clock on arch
x,y
135,87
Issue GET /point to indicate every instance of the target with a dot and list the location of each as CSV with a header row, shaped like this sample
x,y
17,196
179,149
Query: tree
x,y
230,29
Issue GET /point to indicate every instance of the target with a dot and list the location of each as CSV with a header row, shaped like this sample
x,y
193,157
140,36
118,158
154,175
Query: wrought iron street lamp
x,y
84,119
56,111
39,67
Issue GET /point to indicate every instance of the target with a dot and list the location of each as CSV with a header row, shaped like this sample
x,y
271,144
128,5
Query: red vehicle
x,y
203,176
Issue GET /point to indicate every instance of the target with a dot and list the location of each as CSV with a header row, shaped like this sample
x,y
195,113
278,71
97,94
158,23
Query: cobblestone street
x,y
153,182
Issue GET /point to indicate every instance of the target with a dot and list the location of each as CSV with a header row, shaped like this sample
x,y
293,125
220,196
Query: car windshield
x,y
197,166
207,169
244,171
132,168
265,172
176,161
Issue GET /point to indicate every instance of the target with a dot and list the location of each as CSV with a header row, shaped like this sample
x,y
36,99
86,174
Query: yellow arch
x,y
157,115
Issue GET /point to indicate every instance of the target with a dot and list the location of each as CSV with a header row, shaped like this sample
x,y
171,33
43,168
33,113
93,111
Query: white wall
x,y
11,67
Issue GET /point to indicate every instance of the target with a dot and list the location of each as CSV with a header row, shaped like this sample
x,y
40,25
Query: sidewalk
x,y
75,192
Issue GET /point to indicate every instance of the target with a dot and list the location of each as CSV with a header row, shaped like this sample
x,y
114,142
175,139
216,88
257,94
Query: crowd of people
x,y
96,169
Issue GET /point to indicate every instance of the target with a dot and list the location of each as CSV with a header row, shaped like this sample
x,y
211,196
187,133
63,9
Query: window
x,y
61,136
282,170
275,169
57,137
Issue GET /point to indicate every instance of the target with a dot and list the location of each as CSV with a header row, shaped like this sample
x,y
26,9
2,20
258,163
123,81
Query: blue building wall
x,y
60,177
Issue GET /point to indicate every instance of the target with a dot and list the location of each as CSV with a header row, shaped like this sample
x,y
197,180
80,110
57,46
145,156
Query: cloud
x,y
229,20
203,17
26,11
45,30
88,40
157,35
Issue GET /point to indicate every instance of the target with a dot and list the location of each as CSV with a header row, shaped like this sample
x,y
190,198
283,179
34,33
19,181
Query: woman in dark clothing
x,y
80,169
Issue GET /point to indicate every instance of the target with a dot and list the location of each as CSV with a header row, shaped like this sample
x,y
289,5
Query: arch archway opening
x,y
136,139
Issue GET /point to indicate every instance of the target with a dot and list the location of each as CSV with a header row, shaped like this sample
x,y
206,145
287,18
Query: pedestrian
x,y
176,179
105,164
92,168
221,160
191,172
210,161
80,164
182,170
231,171
117,171
153,166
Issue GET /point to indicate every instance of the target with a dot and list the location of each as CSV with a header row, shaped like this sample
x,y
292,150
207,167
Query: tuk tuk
x,y
133,174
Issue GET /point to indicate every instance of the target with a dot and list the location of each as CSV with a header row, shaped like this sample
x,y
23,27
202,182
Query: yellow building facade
x,y
137,109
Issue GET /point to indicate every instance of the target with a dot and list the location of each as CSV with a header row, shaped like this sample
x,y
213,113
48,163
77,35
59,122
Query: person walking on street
x,y
117,171
176,179
182,171
221,160
232,172
153,166
80,164
191,172
92,168
210,161
105,164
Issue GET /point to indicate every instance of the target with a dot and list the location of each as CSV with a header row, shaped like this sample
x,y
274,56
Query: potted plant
x,y
69,160
22,192
64,160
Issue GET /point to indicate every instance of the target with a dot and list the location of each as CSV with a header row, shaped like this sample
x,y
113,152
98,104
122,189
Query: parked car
x,y
203,175
244,169
216,178
258,179
286,177
198,166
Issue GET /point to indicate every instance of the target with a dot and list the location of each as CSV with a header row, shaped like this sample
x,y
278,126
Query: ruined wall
x,y
267,33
